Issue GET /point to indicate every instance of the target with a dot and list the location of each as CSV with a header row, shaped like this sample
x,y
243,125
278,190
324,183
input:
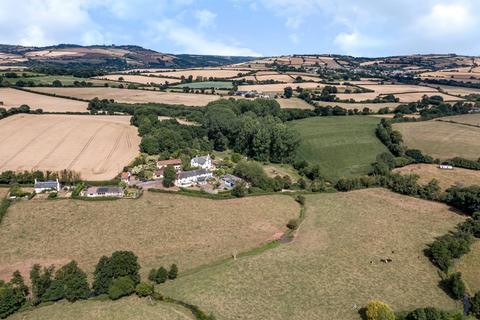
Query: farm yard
x,y
440,139
159,228
127,309
15,98
97,147
133,96
446,178
342,146
333,266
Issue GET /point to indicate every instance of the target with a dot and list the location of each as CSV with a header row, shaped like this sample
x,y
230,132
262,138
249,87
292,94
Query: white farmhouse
x,y
95,192
204,162
187,178
41,186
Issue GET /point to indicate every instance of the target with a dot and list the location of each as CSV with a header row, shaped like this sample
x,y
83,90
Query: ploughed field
x,y
160,229
333,267
97,147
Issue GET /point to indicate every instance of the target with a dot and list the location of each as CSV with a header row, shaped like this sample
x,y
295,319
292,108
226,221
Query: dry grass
x,y
138,79
276,77
417,96
357,96
446,178
278,87
469,266
397,88
160,228
441,139
15,98
97,147
333,264
472,119
459,91
134,96
131,308
293,103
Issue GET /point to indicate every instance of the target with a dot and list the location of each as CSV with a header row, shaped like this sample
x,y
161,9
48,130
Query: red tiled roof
x,y
125,175
168,162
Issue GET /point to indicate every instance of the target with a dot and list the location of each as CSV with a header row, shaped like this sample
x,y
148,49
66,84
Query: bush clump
x,y
121,287
377,310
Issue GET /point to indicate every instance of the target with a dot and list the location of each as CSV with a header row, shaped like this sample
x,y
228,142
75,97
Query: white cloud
x,y
194,42
205,18
295,38
446,19
355,43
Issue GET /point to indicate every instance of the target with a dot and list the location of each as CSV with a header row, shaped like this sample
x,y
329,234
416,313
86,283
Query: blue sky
x,y
249,27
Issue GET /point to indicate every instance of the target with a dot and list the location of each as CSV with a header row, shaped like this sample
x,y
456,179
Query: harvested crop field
x,y
469,119
15,98
138,79
440,139
293,103
275,77
417,96
350,106
357,96
341,146
206,85
469,266
134,96
278,87
333,266
446,178
204,73
397,88
160,228
131,308
97,147
458,91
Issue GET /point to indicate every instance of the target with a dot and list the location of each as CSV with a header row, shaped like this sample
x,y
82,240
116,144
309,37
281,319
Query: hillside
x,y
126,56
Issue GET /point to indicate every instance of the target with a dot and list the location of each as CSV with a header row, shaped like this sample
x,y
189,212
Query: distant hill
x,y
118,57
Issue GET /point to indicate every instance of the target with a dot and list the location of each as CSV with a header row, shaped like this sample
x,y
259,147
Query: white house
x,y
230,181
41,186
95,192
204,162
187,178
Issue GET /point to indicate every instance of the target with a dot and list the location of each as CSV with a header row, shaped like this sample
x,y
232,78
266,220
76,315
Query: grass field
x,y
278,87
441,139
342,146
333,264
66,80
471,119
133,96
293,103
97,147
206,85
446,178
350,106
160,228
138,79
204,73
131,308
469,266
15,98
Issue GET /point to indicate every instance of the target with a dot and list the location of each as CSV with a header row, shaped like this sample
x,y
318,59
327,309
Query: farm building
x,y
446,167
94,192
229,181
176,163
41,186
187,178
204,162
125,177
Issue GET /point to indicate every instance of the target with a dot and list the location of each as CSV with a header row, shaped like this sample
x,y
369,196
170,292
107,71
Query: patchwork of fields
x,y
333,267
160,228
97,147
342,146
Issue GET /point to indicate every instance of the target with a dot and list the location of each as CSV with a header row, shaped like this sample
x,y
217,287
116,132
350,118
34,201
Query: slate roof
x,y
201,160
189,174
46,185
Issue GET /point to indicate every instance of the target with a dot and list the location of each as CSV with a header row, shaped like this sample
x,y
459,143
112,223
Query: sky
x,y
250,27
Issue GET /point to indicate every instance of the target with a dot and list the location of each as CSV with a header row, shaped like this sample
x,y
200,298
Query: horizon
x,y
250,28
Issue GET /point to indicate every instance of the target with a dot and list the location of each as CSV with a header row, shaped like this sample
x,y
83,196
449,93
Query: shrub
x,y
161,275
173,272
292,224
144,289
300,199
466,199
454,285
475,305
377,310
426,314
121,287
240,190
70,283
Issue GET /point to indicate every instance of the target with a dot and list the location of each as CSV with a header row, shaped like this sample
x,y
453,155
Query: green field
x,y
45,80
343,146
206,85
124,309
333,266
